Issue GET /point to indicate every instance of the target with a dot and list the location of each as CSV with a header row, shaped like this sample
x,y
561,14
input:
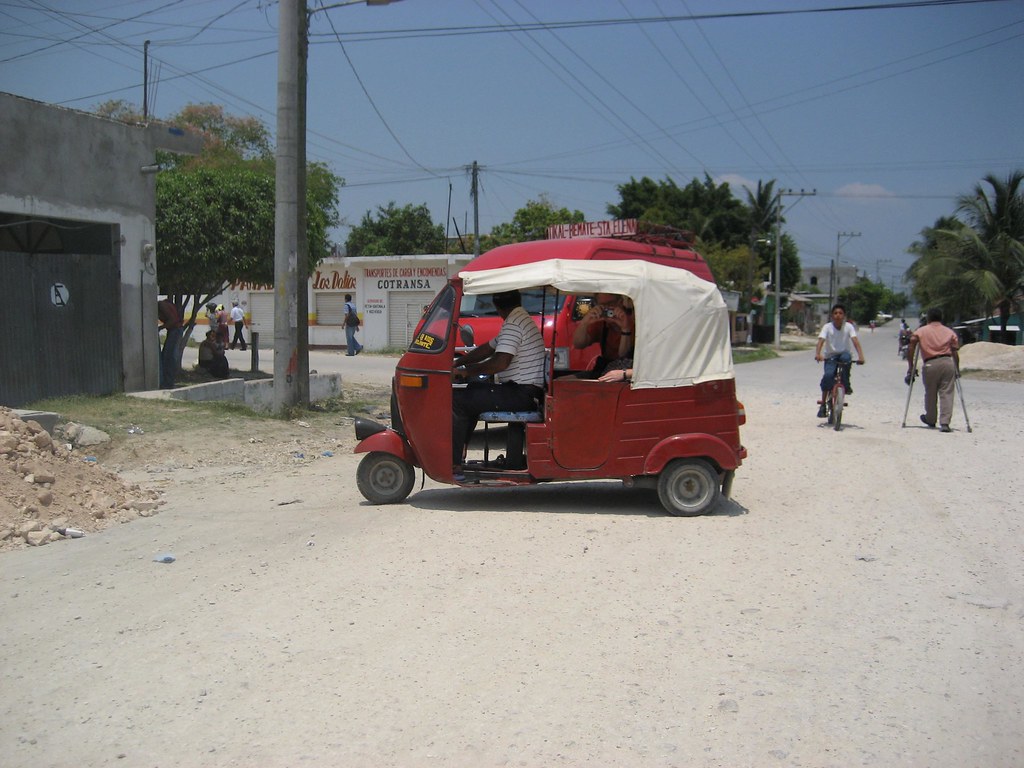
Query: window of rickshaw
x,y
535,301
434,329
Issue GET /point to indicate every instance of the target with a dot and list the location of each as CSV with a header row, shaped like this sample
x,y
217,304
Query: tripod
x,y
910,390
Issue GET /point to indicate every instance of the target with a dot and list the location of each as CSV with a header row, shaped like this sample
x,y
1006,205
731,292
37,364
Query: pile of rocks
x,y
48,492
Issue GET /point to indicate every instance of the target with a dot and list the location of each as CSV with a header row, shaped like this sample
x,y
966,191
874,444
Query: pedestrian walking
x,y
352,323
238,318
223,319
941,363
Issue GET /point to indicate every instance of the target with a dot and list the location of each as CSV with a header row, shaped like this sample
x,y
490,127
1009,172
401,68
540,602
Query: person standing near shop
x,y
170,321
940,353
238,318
352,347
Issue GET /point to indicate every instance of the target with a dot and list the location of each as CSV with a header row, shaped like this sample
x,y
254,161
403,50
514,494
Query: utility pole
x,y
878,269
145,82
833,289
778,256
291,244
291,23
474,191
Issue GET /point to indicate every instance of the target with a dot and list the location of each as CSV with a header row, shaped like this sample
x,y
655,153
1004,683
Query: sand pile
x,y
47,493
986,356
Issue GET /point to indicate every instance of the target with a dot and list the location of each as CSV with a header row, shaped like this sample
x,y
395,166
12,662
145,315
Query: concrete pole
x,y
286,234
778,272
475,189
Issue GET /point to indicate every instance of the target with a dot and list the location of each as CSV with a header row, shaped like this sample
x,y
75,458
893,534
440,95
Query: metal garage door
x,y
60,317
261,317
330,308
404,313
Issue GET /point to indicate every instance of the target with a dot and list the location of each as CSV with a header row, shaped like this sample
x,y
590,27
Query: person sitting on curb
x,y
212,358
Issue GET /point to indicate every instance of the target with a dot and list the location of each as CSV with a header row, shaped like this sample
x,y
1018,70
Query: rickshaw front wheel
x,y
688,487
384,479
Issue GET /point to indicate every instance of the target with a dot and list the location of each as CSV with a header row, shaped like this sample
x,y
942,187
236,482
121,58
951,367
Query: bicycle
x,y
835,401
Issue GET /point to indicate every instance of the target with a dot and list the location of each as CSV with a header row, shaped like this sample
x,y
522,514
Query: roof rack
x,y
659,234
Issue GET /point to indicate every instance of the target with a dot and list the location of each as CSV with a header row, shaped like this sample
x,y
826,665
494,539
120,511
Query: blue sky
x,y
889,113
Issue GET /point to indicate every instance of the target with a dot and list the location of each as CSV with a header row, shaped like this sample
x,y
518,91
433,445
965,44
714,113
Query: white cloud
x,y
737,183
864,190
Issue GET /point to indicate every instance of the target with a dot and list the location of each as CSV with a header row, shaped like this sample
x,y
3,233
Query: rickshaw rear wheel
x,y
384,479
688,487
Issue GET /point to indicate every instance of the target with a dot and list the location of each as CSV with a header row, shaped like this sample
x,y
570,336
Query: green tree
x,y
530,222
864,300
215,212
976,263
933,274
762,213
728,265
706,209
405,230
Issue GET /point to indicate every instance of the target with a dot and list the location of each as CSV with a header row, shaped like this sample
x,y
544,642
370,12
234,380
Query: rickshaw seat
x,y
512,417
515,440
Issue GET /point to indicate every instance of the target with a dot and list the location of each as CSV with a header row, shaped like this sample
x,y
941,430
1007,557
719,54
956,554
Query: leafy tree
x,y
531,222
406,230
977,263
728,265
864,300
707,209
215,212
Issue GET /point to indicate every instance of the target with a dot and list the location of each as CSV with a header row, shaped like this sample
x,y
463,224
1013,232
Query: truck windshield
x,y
535,301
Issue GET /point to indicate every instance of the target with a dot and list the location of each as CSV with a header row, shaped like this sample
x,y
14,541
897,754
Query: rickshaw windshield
x,y
535,300
682,323
434,328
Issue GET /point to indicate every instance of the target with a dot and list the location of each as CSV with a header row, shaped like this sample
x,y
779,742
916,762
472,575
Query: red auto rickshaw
x,y
673,427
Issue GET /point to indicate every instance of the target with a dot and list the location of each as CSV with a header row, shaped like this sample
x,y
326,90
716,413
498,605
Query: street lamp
x,y
291,310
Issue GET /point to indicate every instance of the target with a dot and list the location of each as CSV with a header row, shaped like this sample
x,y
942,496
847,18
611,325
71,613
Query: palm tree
x,y
763,206
976,262
991,247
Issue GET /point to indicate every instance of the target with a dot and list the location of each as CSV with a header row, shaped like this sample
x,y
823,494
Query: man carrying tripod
x,y
940,352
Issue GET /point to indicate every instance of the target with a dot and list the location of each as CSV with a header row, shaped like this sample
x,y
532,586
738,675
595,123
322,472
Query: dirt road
x,y
860,601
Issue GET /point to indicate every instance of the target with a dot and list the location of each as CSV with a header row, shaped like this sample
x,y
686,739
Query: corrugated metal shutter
x,y
405,308
61,318
330,308
261,316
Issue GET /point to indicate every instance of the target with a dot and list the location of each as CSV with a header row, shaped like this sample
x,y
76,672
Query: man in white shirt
x,y
516,359
837,340
238,317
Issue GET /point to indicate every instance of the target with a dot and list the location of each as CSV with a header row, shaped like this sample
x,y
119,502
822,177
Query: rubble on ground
x,y
50,493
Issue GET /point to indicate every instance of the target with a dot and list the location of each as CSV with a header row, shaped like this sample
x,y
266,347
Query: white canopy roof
x,y
682,324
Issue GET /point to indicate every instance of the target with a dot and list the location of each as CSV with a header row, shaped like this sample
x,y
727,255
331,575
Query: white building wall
x,y
385,289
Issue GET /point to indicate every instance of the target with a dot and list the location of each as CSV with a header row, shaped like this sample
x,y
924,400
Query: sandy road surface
x,y
859,602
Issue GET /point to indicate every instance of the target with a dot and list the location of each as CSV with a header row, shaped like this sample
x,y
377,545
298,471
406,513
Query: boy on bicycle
x,y
837,339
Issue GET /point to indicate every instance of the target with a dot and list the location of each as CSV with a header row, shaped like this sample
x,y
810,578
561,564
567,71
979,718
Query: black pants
x,y
239,325
469,403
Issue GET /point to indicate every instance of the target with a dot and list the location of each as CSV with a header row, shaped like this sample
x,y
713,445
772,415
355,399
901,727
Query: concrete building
x,y
78,251
389,292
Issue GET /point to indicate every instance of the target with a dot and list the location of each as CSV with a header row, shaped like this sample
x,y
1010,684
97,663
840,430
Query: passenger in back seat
x,y
609,322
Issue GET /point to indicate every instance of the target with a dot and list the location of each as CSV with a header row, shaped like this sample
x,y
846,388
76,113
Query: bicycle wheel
x,y
839,396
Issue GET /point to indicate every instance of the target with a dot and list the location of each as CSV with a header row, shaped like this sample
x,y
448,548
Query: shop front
x,y
389,293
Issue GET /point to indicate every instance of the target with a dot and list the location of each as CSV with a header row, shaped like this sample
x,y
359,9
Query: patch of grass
x,y
752,354
115,414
